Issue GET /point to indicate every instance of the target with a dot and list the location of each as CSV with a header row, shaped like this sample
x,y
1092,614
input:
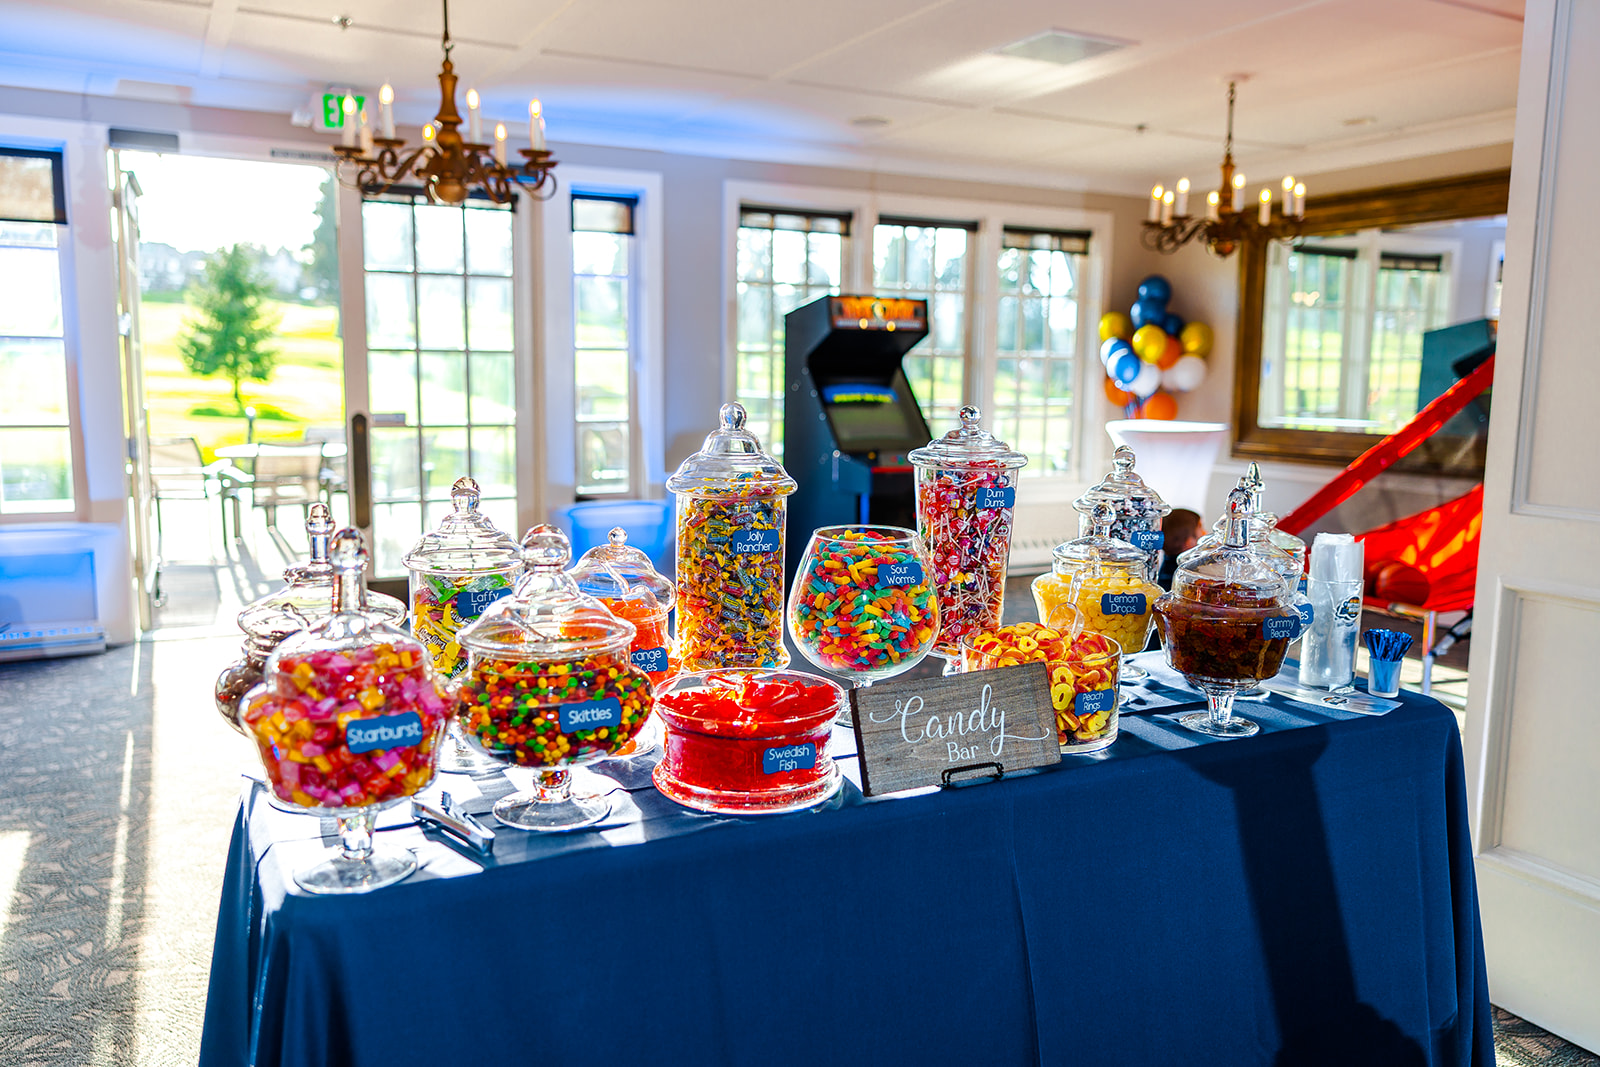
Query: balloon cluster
x,y
1151,354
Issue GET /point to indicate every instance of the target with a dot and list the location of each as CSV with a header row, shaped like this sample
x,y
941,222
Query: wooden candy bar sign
x,y
935,731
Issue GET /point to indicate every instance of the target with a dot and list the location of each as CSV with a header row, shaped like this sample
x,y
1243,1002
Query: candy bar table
x,y
1305,896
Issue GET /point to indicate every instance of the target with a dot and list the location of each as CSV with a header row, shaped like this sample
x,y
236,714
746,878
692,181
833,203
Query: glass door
x,y
438,369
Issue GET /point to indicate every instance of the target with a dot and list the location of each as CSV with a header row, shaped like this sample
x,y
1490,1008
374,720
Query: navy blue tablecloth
x,y
1305,896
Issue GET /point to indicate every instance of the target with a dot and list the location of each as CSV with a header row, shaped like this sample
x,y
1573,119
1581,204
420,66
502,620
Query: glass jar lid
x,y
618,571
968,445
1124,489
1284,551
349,621
466,542
1231,573
546,617
1098,546
307,593
731,458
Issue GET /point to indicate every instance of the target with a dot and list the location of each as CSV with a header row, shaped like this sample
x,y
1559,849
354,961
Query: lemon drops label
x,y
940,731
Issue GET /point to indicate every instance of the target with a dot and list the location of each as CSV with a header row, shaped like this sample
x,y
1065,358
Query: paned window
x,y
1316,335
928,259
1037,345
440,372
602,297
1406,306
785,259
35,423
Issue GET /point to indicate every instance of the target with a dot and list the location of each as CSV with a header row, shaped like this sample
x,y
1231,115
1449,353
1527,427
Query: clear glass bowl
x,y
1084,673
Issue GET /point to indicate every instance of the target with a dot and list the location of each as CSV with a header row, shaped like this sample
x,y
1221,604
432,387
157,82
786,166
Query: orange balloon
x,y
1117,396
1159,406
1173,353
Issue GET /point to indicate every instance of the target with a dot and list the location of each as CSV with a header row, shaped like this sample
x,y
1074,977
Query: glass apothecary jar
x,y
1227,623
1137,509
732,504
1098,584
306,597
966,483
1083,670
348,720
550,685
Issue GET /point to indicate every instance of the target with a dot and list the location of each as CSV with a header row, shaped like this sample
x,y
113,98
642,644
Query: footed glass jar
x,y
1137,509
348,720
732,503
966,495
1227,623
306,597
1098,584
550,685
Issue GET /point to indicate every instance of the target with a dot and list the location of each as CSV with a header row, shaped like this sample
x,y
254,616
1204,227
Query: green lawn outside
x,y
306,387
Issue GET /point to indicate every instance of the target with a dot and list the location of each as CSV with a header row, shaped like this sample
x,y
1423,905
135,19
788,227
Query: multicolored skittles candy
x,y
732,506
545,715
862,603
966,492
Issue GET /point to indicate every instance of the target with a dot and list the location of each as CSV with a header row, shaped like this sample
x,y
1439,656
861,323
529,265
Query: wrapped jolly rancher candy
x,y
348,721
550,685
1083,676
966,492
732,507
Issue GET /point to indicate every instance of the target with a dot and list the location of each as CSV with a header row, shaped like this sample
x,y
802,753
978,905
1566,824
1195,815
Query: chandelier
x,y
448,165
1227,222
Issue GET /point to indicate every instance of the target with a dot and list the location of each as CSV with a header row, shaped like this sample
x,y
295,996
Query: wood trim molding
x,y
1463,197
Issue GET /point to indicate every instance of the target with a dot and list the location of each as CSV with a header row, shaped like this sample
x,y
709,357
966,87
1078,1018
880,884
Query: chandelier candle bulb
x,y
536,125
1166,207
1238,192
1182,207
500,143
474,117
1155,203
1266,207
1300,200
386,110
427,132
1213,205
347,127
1288,187
366,135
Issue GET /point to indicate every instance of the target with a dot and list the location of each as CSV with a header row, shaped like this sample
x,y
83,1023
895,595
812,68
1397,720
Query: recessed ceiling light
x,y
1361,120
1063,46
869,122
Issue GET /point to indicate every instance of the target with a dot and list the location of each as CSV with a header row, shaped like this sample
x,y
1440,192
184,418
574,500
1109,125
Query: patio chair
x,y
331,477
286,475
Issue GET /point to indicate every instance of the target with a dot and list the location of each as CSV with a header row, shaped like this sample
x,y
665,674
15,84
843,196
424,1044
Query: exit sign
x,y
330,116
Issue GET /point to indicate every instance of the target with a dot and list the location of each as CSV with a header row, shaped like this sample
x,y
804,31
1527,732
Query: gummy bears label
x,y
470,603
650,660
385,731
750,542
591,715
1281,626
1122,604
893,574
1094,701
1147,540
991,497
789,758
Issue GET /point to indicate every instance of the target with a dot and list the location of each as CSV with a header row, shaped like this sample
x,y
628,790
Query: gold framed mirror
x,y
1330,354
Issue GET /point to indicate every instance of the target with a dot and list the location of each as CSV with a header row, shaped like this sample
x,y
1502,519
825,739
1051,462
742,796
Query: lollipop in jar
x,y
348,721
550,685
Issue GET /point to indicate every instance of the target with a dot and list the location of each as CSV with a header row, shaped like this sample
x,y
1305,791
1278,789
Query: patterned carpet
x,y
116,804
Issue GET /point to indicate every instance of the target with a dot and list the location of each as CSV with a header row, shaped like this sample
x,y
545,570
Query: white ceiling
x,y
768,80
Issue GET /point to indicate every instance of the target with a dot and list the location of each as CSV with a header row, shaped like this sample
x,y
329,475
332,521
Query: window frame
x,y
1088,444
632,314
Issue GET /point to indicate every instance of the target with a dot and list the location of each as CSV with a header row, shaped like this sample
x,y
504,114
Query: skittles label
x,y
1147,540
995,498
650,660
1281,627
470,603
789,758
1094,701
1123,604
385,731
591,715
752,542
891,575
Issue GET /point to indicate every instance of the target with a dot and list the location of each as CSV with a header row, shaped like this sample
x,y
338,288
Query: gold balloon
x,y
1150,342
1115,324
1196,339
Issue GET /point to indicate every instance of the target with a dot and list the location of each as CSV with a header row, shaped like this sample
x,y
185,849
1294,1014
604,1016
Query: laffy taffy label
x,y
892,575
995,498
470,603
748,542
1123,604
1147,540
383,732
591,715
649,660
1279,627
789,758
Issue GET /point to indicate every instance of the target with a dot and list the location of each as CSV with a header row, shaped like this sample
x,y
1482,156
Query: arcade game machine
x,y
849,416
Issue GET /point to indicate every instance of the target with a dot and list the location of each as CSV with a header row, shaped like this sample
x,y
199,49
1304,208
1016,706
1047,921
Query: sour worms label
x,y
1122,604
750,542
386,731
1147,540
894,574
1097,700
789,758
591,715
991,498
650,660
1281,626
470,603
